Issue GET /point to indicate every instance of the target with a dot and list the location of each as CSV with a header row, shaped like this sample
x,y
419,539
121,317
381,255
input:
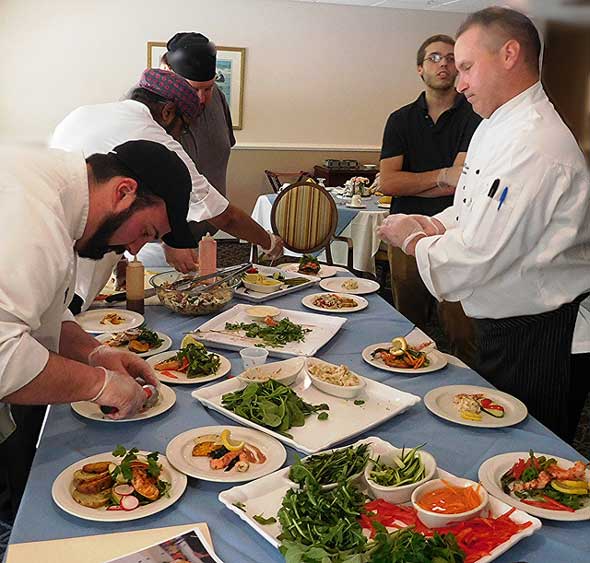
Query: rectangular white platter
x,y
265,495
257,297
323,329
345,419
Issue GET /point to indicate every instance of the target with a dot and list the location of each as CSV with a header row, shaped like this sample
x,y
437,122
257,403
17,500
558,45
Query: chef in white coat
x,y
514,248
55,205
159,110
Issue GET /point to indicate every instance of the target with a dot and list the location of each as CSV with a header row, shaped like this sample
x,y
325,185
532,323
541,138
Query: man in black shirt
x,y
424,147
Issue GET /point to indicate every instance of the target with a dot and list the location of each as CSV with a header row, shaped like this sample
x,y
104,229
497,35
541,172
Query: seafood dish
x,y
138,340
401,355
334,301
193,359
471,406
309,264
113,319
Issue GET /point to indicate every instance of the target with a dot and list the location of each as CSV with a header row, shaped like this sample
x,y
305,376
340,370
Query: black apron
x,y
530,357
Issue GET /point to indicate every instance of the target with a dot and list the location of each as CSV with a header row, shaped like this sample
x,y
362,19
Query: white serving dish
x,y
334,285
260,312
255,296
323,329
264,496
345,419
285,371
436,520
401,494
165,345
361,303
348,392
262,288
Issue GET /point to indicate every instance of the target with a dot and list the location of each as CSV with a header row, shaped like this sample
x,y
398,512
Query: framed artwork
x,y
229,76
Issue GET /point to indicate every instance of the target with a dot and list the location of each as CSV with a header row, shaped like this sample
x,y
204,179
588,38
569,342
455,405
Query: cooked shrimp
x,y
539,483
252,454
576,472
225,460
172,364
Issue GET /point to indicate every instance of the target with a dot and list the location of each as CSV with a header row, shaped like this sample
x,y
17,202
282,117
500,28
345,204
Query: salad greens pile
x,y
332,467
271,404
149,337
200,361
406,469
275,334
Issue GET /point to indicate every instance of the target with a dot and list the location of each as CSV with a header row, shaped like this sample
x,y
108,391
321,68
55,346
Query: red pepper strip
x,y
184,365
169,374
558,505
518,468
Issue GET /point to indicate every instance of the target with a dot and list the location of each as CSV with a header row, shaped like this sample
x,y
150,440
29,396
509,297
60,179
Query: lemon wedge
x,y
468,415
570,487
398,346
231,446
189,339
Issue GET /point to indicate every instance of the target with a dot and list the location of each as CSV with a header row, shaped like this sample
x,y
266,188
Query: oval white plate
x,y
334,285
90,320
325,270
62,488
491,471
93,412
362,303
356,206
439,401
437,360
167,342
182,379
179,453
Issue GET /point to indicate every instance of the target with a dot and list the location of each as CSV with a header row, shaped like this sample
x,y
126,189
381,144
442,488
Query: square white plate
x,y
256,297
323,329
264,496
345,419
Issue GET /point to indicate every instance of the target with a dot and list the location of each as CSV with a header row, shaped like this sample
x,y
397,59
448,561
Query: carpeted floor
x,y
231,253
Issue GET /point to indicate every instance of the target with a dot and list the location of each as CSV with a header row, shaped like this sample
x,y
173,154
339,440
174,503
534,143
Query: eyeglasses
x,y
437,58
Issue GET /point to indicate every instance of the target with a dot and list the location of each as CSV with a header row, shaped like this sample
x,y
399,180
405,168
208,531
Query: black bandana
x,y
192,56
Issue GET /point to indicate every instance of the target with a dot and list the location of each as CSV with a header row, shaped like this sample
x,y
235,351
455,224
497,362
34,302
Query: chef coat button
x,y
464,200
456,218
477,171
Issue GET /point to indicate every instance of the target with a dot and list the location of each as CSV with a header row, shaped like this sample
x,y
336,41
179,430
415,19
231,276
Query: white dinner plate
x,y
62,488
439,401
166,343
90,320
364,286
93,412
181,378
179,453
437,360
356,206
490,474
361,303
325,270
384,205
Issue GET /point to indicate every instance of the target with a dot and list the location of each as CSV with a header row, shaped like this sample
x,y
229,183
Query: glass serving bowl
x,y
203,303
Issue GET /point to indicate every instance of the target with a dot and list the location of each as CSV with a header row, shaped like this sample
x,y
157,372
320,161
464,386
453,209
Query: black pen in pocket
x,y
494,188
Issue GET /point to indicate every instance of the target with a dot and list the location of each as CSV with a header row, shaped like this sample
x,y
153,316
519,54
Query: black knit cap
x,y
192,56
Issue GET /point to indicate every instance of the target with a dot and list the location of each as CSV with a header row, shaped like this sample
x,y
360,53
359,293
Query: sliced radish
x,y
115,507
129,503
123,490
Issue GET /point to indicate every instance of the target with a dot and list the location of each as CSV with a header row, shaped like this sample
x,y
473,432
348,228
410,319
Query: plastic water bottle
x,y
207,255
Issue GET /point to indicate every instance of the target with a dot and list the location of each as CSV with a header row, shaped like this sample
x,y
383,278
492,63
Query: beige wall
x,y
317,75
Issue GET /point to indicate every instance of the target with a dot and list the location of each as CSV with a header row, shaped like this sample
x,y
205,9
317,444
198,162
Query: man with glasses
x,y
159,109
424,147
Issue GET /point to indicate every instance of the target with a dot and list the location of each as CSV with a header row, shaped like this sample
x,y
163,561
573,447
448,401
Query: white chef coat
x,y
99,129
43,211
531,254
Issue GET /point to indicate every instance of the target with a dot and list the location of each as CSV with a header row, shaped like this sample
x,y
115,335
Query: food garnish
x,y
336,375
112,318
470,406
332,467
309,264
271,332
450,499
271,404
334,301
137,340
350,284
540,482
406,469
226,454
401,355
193,360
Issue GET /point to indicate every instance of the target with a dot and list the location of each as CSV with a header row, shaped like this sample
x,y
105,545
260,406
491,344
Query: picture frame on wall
x,y
229,77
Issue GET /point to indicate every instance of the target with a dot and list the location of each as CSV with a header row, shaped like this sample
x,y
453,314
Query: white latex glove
x,y
449,177
121,392
184,260
276,247
124,362
398,230
430,225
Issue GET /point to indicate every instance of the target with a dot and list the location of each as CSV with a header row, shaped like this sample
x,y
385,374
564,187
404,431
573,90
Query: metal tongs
x,y
194,286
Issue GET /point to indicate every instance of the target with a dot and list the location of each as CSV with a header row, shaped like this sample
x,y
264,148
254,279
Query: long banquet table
x,y
68,438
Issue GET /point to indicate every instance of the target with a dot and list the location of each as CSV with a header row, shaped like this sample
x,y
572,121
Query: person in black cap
x,y
55,205
210,138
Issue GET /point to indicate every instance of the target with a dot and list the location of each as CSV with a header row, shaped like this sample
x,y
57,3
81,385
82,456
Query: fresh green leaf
x,y
264,521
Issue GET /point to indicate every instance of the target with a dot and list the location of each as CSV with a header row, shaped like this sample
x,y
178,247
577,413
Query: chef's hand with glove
x,y
275,250
404,231
120,392
123,362
184,260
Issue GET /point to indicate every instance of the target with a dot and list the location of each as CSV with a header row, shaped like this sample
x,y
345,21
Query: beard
x,y
443,84
98,245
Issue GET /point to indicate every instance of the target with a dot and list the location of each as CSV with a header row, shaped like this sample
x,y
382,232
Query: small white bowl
x,y
260,288
403,493
285,372
262,311
344,392
437,520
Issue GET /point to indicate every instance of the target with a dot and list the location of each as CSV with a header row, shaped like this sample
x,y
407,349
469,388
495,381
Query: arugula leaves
x,y
125,466
200,361
277,335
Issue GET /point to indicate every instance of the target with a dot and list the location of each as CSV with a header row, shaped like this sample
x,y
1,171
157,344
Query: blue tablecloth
x,y
459,449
